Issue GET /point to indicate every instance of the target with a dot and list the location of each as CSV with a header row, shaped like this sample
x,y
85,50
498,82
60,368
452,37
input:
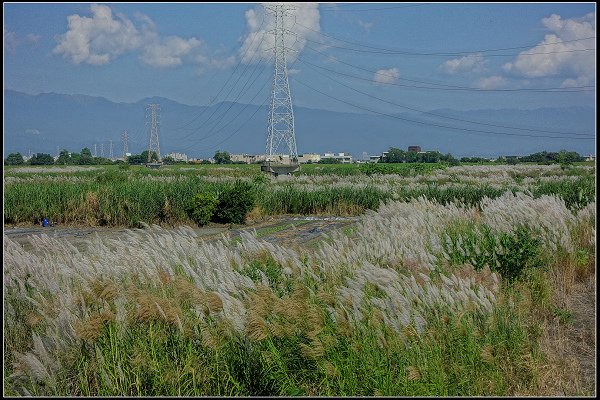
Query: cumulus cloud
x,y
386,76
491,82
472,63
12,40
101,38
577,67
168,52
257,44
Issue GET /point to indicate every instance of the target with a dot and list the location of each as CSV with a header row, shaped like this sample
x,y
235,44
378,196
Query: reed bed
x,y
129,197
407,305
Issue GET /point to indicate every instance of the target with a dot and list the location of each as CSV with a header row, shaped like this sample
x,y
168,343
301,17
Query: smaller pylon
x,y
125,137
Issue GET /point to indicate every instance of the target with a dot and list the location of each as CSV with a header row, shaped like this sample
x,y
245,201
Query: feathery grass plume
x,y
91,329
412,373
256,326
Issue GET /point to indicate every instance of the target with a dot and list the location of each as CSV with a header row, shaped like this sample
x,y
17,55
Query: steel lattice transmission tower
x,y
111,150
281,134
124,137
102,150
152,110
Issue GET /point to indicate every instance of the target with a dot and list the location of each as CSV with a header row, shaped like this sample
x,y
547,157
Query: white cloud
x,y
101,38
168,52
472,63
386,76
293,71
491,82
12,40
575,66
32,131
258,43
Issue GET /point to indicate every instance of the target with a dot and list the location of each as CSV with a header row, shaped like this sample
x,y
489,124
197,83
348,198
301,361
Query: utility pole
x,y
95,152
124,137
281,114
102,150
111,151
152,116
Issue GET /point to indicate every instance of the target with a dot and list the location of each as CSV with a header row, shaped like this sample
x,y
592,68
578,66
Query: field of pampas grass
x,y
425,298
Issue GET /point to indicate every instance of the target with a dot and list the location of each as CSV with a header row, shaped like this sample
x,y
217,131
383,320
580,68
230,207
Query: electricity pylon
x,y
281,114
124,137
95,152
102,150
111,151
153,109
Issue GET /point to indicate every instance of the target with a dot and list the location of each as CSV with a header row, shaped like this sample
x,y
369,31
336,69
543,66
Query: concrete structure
x,y
590,158
178,156
414,149
345,158
247,158
306,157
374,159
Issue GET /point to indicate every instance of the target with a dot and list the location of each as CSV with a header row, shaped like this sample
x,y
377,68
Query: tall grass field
x,y
458,281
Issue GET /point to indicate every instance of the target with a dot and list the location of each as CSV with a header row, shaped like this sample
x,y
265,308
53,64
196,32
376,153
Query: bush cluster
x,y
230,205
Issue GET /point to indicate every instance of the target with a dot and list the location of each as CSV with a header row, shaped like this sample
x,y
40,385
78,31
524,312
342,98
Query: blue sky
x,y
187,52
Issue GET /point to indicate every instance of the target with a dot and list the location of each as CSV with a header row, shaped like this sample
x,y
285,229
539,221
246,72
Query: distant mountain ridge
x,y
41,122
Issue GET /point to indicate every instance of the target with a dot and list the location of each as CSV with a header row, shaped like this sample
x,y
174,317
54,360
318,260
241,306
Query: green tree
x,y
153,157
169,160
14,159
86,152
63,158
222,157
41,159
394,155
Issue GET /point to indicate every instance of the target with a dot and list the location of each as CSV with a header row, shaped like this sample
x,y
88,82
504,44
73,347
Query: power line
x,y
229,78
447,87
220,105
432,53
434,124
369,9
212,132
216,122
405,53
444,116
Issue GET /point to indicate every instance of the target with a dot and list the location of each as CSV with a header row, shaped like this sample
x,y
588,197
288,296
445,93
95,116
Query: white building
x,y
247,158
590,158
177,156
306,157
345,158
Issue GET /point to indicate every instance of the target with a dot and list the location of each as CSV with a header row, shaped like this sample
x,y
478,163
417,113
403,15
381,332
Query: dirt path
x,y
287,231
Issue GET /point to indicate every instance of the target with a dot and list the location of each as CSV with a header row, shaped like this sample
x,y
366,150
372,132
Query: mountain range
x,y
40,123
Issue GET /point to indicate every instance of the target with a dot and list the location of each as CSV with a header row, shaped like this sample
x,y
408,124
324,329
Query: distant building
x,y
374,159
309,157
590,158
414,149
178,156
343,157
247,158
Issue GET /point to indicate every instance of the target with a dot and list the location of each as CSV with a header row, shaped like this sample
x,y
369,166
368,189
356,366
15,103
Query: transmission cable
x,y
457,53
438,54
449,87
434,124
443,116
214,98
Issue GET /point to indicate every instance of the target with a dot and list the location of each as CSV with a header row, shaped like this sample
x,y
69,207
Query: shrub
x,y
235,202
111,176
202,208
